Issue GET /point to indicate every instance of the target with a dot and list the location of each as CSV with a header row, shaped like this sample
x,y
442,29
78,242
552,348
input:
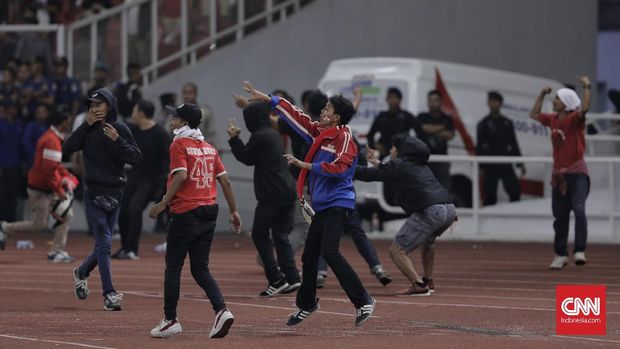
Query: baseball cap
x,y
188,112
97,97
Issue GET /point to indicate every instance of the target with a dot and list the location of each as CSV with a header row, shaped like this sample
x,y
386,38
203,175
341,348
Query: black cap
x,y
97,97
188,112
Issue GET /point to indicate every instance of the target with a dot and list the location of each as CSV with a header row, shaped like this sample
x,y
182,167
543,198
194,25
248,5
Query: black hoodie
x,y
414,187
104,159
272,180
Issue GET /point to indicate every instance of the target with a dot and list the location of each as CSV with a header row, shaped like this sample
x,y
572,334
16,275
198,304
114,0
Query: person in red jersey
x,y
50,190
191,194
570,179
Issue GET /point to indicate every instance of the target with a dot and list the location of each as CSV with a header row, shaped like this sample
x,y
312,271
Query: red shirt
x,y
567,137
203,166
47,173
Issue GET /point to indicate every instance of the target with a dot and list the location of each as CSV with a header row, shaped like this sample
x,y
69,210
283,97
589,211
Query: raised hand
x,y
585,81
546,90
240,101
254,93
233,130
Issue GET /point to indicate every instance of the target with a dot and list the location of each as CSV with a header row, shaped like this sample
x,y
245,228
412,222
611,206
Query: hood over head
x,y
256,116
105,95
414,150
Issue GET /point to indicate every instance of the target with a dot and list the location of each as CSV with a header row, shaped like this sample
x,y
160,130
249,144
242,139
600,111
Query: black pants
x,y
492,175
10,188
279,219
191,232
138,194
577,190
324,238
353,226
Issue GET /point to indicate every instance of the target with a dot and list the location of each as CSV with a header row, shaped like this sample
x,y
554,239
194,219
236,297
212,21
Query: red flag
x,y
447,105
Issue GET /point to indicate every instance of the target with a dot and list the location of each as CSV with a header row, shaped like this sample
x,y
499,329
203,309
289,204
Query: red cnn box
x,y
580,310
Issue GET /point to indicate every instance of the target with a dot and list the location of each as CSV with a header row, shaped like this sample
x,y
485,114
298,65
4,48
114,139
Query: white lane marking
x,y
54,341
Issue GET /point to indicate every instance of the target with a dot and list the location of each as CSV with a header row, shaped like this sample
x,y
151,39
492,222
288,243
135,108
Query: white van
x,y
467,86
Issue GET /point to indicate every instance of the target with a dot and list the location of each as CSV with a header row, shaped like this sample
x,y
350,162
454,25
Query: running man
x,y
331,162
50,190
191,197
422,197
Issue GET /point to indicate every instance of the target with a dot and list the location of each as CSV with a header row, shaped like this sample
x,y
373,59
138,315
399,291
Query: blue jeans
x,y
102,221
578,187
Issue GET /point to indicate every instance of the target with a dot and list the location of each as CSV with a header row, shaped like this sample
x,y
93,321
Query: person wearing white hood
x,y
570,179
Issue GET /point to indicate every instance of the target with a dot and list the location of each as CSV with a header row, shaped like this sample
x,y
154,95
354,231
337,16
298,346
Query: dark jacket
x,y
272,180
391,123
104,159
496,136
413,184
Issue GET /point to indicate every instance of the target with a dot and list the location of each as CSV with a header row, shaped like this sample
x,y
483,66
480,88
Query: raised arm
x,y
535,112
585,100
294,117
246,154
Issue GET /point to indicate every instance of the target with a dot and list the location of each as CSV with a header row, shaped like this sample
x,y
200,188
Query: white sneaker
x,y
60,257
558,262
223,320
166,328
580,258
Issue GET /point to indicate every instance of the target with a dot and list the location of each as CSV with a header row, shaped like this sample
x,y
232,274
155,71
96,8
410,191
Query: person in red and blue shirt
x,y
331,165
570,178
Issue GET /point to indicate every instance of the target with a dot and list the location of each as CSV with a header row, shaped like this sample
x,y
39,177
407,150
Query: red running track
x,y
500,295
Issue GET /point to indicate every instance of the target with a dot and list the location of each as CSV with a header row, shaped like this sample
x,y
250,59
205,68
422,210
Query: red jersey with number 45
x,y
203,166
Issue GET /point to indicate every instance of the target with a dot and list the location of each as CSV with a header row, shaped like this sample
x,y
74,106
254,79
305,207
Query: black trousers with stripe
x,y
324,237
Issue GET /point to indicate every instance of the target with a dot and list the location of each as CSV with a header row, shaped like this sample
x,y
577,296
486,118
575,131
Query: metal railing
x,y
187,53
60,31
476,211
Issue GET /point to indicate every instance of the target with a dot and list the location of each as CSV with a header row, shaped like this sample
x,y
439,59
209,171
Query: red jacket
x,y
333,165
47,173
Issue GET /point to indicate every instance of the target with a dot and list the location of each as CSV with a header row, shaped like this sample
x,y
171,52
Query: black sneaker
x,y
429,283
292,287
363,313
381,275
81,285
112,301
274,289
300,314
